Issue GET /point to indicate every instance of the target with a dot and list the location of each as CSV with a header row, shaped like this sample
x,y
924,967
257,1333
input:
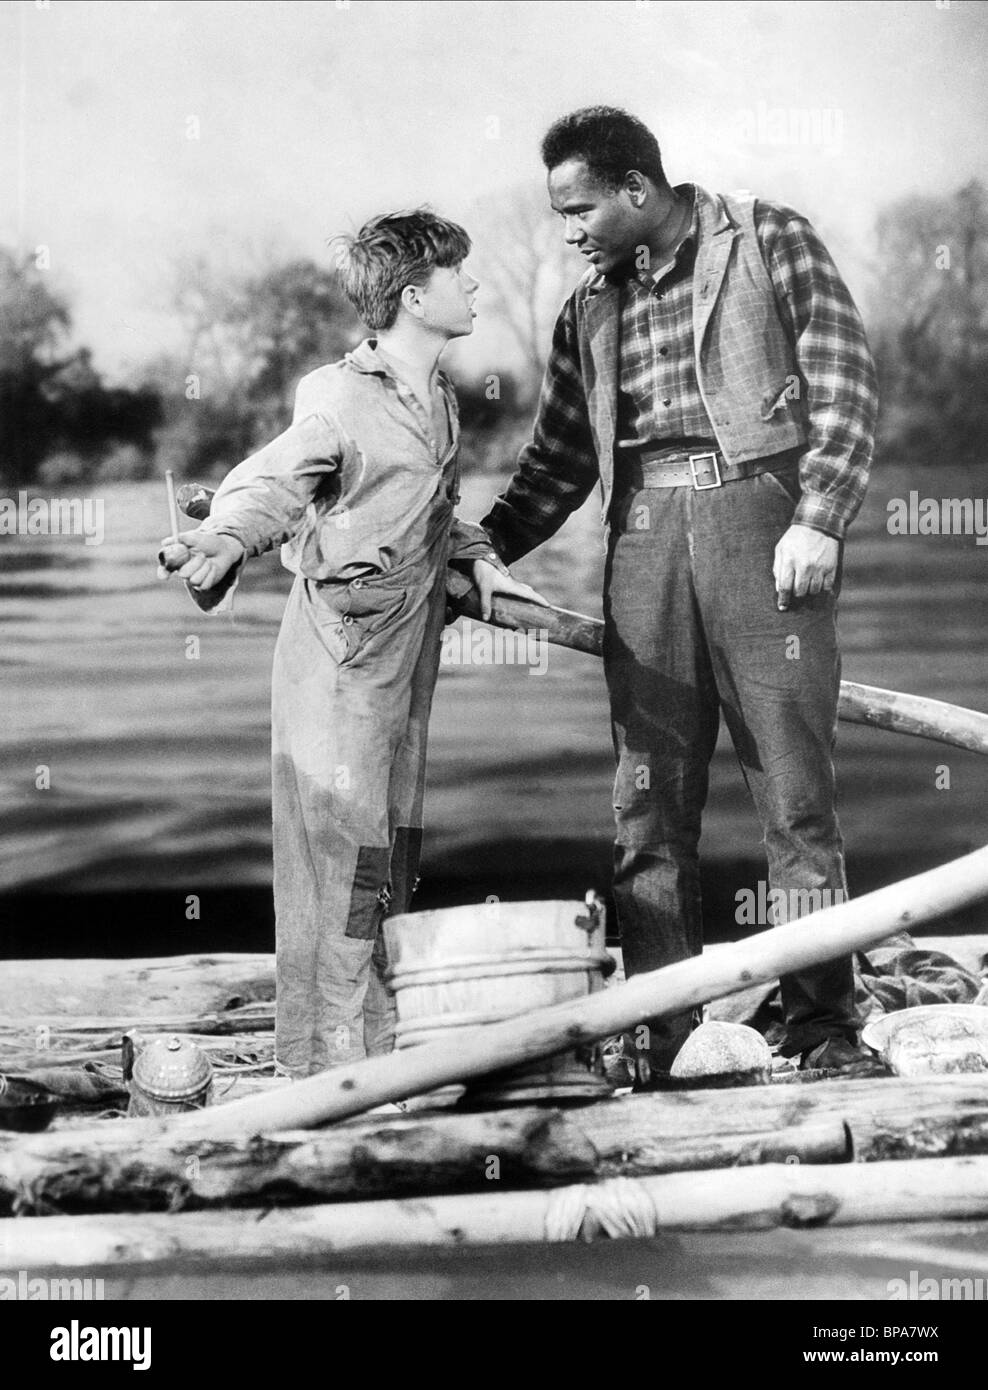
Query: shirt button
x,y
667,402
347,619
663,352
358,583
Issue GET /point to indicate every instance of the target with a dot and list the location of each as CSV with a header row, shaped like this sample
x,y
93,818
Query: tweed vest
x,y
745,363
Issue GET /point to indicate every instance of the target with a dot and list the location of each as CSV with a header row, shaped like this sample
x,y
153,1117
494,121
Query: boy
x,y
360,492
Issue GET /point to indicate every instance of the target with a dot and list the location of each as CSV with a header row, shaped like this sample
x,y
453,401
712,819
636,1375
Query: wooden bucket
x,y
463,967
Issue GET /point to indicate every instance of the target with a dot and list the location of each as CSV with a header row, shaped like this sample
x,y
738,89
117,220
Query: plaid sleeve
x,y
468,542
557,471
835,365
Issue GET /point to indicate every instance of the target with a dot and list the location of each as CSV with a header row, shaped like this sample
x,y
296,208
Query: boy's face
x,y
447,301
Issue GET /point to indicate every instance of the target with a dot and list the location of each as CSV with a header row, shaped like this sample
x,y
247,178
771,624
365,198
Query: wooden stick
x,y
258,1046
184,993
115,1167
914,715
254,1018
884,1119
172,504
161,987
755,1199
33,1043
76,1088
835,931
859,704
121,1168
559,626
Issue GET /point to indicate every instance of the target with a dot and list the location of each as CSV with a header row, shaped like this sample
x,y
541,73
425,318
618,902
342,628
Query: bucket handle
x,y
593,920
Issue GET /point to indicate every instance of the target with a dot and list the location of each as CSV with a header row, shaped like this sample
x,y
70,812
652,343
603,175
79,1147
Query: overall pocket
x,y
351,614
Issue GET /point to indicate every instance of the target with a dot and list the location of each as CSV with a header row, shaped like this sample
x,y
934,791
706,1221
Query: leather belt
x,y
702,470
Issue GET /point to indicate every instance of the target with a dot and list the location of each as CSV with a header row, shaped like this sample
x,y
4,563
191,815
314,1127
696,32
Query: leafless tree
x,y
526,269
933,267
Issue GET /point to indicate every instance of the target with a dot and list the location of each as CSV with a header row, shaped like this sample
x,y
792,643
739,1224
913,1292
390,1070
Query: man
x,y
711,372
360,490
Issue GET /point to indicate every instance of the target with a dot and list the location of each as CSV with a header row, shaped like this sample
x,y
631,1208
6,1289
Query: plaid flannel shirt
x,y
557,471
659,401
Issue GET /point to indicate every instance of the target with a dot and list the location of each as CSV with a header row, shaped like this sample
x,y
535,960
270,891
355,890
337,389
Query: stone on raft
x,y
726,1054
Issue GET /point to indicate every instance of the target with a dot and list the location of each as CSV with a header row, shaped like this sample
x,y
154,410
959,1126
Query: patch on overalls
x,y
370,895
405,859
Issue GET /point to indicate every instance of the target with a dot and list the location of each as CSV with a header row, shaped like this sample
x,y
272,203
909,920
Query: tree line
x,y
249,338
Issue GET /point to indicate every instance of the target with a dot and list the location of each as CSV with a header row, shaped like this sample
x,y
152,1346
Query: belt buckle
x,y
694,459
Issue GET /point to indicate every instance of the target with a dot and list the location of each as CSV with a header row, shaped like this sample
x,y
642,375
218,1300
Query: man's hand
x,y
805,563
489,581
200,557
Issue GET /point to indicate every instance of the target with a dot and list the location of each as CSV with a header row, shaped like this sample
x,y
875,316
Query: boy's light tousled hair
x,y
390,252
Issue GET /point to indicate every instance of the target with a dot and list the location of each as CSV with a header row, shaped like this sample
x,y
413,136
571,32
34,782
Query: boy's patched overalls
x,y
359,485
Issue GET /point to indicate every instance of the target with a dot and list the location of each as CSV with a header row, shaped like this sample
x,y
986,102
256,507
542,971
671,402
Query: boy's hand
x,y
200,557
489,581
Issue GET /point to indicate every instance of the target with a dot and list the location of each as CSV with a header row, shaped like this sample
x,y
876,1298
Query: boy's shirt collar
x,y
366,358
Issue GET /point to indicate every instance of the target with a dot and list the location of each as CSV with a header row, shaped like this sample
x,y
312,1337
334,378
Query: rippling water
x,y
159,764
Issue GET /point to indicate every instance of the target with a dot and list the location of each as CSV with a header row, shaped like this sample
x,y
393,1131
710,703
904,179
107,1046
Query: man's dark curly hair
x,y
609,141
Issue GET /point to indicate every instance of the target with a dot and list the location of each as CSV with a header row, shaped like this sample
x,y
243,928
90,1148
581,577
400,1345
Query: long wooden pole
x,y
834,931
161,987
123,1166
756,1199
915,715
859,704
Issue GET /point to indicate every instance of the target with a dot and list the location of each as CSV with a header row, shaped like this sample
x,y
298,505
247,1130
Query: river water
x,y
159,763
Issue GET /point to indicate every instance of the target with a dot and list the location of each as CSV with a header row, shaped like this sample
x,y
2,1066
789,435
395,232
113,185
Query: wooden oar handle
x,y
859,704
195,500
557,625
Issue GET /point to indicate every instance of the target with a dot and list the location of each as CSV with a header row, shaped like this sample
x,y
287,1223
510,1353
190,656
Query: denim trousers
x,y
692,629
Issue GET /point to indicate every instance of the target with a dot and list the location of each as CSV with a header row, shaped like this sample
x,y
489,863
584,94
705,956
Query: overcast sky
x,y
311,116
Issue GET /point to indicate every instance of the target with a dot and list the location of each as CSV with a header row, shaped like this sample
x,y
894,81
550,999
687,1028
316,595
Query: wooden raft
x,y
145,1165
805,1156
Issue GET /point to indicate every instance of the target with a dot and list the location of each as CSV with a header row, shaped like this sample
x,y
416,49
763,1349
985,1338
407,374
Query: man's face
x,y
603,224
447,299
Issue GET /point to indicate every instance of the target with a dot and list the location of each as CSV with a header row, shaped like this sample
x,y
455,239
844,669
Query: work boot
x,y
837,1054
649,1077
656,1081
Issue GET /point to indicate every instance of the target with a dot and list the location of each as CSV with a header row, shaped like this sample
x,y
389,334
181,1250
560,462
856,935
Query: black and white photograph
x,y
493,538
